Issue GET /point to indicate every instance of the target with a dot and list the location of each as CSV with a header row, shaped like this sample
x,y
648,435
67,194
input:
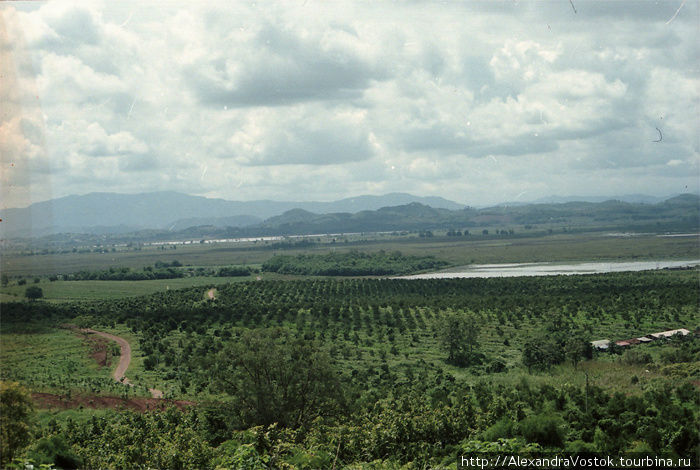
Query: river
x,y
550,269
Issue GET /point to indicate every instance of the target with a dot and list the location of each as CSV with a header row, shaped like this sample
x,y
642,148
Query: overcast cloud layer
x,y
478,102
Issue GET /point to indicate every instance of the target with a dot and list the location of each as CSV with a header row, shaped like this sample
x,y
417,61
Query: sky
x,y
477,102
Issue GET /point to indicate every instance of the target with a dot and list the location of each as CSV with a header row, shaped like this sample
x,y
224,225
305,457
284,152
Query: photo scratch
x,y
661,136
676,13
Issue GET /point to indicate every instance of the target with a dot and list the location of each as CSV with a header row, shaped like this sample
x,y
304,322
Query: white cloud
x,y
484,101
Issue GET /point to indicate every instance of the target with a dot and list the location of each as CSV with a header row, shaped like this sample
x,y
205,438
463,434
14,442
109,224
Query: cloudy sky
x,y
478,102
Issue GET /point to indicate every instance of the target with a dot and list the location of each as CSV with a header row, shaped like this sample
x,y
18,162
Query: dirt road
x,y
124,359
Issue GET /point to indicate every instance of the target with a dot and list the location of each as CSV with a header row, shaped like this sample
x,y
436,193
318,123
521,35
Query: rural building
x,y
604,344
669,333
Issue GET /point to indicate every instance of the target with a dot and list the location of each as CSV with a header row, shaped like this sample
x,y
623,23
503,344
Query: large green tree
x,y
16,410
459,335
276,377
33,293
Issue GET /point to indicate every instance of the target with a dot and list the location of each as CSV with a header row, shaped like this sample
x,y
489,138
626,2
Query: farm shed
x,y
669,333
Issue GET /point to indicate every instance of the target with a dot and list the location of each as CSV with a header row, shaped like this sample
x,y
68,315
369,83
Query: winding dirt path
x,y
124,359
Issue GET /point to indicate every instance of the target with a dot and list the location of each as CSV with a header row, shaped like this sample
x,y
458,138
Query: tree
x,y
542,351
459,335
5,280
15,412
577,347
33,293
277,378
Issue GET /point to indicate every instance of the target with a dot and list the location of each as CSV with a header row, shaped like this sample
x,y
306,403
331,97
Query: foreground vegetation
x,y
347,372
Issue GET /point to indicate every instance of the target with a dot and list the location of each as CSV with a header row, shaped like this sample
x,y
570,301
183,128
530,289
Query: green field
x,y
455,250
47,358
369,356
68,291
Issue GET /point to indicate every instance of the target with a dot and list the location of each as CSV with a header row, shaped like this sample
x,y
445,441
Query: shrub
x,y
33,293
544,429
636,357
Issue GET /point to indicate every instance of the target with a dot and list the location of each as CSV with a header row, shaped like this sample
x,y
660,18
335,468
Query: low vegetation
x,y
380,372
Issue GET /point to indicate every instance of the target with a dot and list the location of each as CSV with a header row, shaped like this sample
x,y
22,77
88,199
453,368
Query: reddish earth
x,y
50,400
98,348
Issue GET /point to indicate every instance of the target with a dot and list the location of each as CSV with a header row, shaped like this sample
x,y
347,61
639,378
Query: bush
x,y
636,357
33,293
503,429
543,429
54,450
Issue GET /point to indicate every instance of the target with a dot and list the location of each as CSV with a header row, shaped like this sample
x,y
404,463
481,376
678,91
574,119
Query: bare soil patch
x,y
98,350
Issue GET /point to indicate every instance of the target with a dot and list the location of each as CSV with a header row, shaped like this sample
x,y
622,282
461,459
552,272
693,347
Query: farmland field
x,y
64,291
456,251
376,353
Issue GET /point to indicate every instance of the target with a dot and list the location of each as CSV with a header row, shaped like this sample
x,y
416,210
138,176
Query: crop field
x,y
47,358
467,362
378,352
68,291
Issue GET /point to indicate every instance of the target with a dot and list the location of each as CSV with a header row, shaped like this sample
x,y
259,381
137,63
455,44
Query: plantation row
x,y
393,370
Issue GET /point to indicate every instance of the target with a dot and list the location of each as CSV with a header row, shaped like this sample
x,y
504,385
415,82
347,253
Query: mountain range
x,y
103,213
169,215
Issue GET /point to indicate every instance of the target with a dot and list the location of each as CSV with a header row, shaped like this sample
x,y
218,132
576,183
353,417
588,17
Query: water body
x,y
550,269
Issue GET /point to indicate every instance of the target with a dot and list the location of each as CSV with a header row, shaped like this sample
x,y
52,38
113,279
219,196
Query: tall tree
x,y
459,335
278,378
16,410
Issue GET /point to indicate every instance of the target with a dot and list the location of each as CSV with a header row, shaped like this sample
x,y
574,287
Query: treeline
x,y
125,274
353,263
160,270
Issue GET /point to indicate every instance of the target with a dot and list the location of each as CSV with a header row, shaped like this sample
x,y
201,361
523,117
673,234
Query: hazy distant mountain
x,y
413,216
232,221
99,213
680,212
634,198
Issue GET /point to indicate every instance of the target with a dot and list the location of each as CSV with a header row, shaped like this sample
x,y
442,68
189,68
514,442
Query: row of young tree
x,y
345,370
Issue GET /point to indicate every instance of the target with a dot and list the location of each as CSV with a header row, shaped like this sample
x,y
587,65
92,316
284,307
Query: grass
x,y
57,360
51,359
77,416
67,291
